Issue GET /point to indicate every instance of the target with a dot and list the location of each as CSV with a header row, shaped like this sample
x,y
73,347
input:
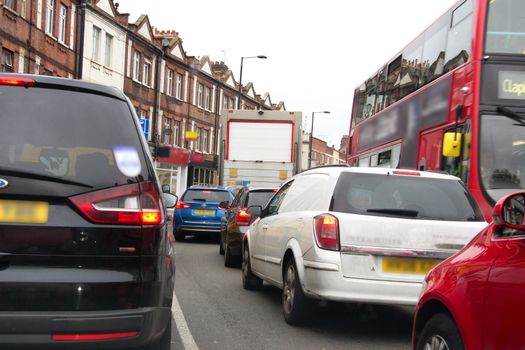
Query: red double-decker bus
x,y
452,100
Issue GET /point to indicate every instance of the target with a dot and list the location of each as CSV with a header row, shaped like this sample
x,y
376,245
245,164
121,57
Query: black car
x,y
239,219
85,260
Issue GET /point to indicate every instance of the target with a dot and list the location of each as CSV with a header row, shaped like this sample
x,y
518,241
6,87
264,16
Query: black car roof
x,y
46,81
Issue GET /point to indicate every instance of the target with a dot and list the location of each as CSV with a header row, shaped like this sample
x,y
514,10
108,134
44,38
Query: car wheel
x,y
179,236
440,333
221,244
229,259
249,280
296,306
164,342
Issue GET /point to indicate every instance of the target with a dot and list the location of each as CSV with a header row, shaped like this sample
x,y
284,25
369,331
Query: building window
x,y
62,20
136,65
7,60
198,141
208,99
108,50
178,91
146,72
166,137
170,82
199,97
205,141
11,4
50,16
176,133
96,44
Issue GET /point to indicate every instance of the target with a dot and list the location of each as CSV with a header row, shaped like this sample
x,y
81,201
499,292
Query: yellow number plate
x,y
24,212
408,266
205,212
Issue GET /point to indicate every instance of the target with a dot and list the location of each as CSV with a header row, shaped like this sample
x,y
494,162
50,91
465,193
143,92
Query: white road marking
x,y
182,326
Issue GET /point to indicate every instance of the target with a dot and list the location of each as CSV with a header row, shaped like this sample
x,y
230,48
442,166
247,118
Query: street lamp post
x,y
311,137
240,78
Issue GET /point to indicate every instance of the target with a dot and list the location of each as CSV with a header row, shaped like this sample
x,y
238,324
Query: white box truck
x,y
259,148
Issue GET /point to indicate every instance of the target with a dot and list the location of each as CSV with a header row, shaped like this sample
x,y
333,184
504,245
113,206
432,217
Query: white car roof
x,y
335,170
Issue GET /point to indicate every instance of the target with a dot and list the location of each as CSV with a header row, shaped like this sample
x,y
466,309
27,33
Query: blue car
x,y
201,210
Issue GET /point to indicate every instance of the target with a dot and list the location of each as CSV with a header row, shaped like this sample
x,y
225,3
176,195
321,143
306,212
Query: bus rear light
x,y
91,337
326,230
122,205
406,172
243,218
17,81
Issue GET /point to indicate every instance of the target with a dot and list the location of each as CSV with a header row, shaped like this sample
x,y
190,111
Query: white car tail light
x,y
326,230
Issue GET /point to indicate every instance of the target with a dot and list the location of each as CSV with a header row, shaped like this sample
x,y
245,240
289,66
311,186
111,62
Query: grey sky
x,y
318,51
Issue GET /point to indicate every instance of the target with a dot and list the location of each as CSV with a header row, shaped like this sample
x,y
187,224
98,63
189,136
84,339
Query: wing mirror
x,y
225,205
509,211
170,200
256,211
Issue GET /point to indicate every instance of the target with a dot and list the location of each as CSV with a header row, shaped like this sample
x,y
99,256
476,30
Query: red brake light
x,y
406,172
275,190
103,336
326,230
206,191
243,218
13,81
136,204
182,205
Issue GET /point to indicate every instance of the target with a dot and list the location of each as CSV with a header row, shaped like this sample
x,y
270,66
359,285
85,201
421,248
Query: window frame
x,y
95,53
50,17
169,82
62,23
207,101
136,65
146,72
11,54
205,143
176,132
178,86
200,95
11,4
108,48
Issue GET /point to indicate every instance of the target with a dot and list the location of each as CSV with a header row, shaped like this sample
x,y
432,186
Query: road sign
x,y
144,125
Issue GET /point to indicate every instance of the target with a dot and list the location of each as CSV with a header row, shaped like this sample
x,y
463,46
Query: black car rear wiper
x,y
32,175
394,211
507,112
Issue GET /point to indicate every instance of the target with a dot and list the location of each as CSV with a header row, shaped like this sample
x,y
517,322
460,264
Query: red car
x,y
476,299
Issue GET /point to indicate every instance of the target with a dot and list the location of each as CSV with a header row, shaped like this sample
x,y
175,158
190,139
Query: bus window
x,y
459,37
384,158
392,84
364,161
506,27
410,77
434,50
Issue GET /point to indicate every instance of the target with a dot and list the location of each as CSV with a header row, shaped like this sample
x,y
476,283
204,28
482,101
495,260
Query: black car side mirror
x,y
256,211
224,205
170,200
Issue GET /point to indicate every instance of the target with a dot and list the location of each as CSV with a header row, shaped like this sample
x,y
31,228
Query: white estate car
x,y
357,235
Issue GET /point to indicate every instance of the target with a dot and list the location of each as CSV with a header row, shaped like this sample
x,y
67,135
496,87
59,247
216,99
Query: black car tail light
x,y
136,204
243,218
326,229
